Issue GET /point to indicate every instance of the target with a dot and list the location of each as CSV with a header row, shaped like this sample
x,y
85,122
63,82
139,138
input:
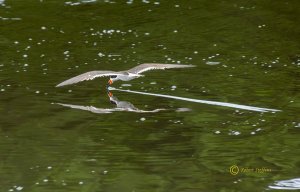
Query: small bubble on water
x,y
101,54
19,188
237,133
143,119
234,133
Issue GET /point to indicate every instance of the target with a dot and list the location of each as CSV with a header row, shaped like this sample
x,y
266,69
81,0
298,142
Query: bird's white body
x,y
126,77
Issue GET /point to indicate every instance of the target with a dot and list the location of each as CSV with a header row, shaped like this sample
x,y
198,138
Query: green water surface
x,y
246,52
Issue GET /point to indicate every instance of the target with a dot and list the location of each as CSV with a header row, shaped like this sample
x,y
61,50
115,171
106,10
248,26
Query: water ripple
x,y
291,184
232,105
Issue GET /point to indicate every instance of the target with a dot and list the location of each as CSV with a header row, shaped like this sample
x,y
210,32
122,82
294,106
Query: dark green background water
x,y
47,147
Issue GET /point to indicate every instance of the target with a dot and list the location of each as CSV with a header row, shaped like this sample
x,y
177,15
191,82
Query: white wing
x,y
87,76
151,66
87,108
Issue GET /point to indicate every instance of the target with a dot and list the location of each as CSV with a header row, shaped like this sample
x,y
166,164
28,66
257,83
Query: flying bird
x,y
121,75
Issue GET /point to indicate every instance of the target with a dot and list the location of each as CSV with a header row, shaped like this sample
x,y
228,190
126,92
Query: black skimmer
x,y
121,75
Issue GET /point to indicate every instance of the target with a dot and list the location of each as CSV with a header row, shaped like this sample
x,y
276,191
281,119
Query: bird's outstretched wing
x,y
87,108
104,111
87,76
151,66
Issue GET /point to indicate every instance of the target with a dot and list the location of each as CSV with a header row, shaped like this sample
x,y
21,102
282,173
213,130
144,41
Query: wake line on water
x,y
232,105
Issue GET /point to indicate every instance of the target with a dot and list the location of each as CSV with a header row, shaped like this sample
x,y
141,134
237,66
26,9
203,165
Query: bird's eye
x,y
113,76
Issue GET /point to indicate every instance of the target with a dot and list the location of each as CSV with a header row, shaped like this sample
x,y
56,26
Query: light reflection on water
x,y
291,184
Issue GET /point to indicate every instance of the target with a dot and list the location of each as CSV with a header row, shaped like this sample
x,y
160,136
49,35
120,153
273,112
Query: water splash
x,y
232,105
291,184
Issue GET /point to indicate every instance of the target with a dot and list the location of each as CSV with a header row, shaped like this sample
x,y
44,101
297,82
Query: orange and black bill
x,y
109,94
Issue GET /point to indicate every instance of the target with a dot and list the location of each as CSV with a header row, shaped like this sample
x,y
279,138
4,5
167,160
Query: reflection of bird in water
x,y
120,106
127,106
121,75
87,108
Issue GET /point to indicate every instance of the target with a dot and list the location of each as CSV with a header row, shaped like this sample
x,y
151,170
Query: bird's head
x,y
112,79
